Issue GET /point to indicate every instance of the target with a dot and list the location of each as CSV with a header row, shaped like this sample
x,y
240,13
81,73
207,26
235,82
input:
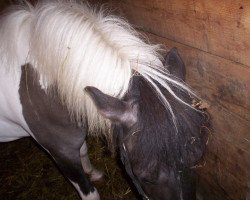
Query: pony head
x,y
158,158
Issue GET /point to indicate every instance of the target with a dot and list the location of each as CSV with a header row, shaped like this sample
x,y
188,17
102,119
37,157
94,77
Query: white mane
x,y
73,46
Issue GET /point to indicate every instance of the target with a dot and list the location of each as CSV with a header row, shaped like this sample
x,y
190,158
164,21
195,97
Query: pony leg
x,y
52,128
69,162
95,175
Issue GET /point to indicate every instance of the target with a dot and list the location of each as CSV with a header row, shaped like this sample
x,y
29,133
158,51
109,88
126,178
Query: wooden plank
x,y
227,167
233,159
219,27
227,188
231,128
206,190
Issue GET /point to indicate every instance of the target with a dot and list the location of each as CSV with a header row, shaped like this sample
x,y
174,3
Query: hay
x,y
27,172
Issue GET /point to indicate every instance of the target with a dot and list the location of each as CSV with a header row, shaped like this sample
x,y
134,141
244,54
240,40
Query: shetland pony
x,y
55,55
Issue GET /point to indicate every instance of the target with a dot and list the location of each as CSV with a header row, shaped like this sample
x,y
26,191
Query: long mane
x,y
73,46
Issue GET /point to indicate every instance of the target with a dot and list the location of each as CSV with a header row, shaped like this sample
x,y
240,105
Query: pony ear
x,y
174,64
112,108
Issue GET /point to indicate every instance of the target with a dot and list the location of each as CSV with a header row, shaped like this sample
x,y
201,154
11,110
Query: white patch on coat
x,y
14,48
91,196
12,122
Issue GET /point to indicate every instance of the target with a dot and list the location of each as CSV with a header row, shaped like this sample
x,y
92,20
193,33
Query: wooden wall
x,y
213,37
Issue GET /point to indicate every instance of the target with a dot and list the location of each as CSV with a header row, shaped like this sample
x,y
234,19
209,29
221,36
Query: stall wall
x,y
213,38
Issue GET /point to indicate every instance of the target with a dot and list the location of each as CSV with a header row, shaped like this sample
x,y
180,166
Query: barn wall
x,y
213,38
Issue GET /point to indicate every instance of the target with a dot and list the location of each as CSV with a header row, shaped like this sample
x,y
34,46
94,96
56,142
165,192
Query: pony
x,y
68,70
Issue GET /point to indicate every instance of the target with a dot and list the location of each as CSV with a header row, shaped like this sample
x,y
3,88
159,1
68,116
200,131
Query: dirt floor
x,y
27,173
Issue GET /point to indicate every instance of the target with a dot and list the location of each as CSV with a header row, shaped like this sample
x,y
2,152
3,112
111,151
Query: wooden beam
x,y
221,28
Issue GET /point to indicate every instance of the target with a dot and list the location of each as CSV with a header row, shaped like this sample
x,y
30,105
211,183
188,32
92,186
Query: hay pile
x,y
27,172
